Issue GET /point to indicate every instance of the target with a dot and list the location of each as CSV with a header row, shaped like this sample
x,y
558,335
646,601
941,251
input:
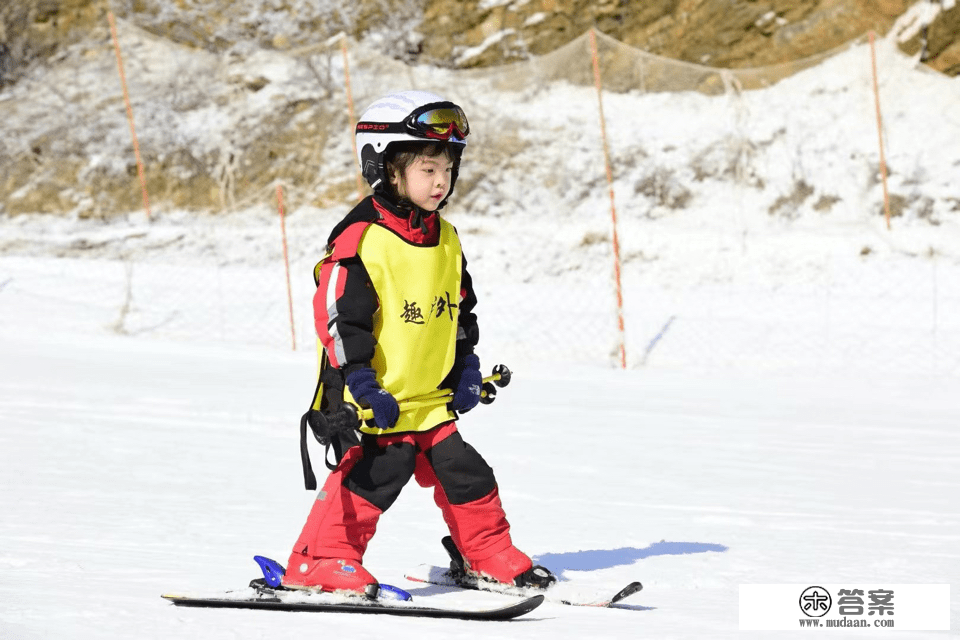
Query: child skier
x,y
394,313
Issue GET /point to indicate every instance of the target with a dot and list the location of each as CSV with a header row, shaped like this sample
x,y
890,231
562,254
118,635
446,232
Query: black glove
x,y
466,395
368,393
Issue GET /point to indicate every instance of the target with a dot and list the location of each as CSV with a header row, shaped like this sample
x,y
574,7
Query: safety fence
x,y
749,215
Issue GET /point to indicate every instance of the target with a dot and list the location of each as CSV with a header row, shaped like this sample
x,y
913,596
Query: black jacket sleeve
x,y
359,303
468,333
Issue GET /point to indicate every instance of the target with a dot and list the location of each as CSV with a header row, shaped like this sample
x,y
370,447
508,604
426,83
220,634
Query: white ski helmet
x,y
408,116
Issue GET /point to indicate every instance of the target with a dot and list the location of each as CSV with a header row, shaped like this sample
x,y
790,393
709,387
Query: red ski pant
x,y
369,478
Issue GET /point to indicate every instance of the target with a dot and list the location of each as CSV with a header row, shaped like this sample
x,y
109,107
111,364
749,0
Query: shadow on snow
x,y
609,558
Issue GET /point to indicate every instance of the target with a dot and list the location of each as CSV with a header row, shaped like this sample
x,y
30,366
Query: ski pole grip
x,y
501,378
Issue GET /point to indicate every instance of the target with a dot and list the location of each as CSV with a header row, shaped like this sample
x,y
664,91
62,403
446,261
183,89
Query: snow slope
x,y
133,468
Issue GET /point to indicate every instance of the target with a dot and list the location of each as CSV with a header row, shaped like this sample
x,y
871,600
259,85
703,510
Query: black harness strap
x,y
309,479
333,422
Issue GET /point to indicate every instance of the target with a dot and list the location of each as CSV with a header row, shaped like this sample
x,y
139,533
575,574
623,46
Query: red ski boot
x,y
331,575
509,567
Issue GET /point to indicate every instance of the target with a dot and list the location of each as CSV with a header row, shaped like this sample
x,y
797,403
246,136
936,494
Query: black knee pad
x,y
463,473
380,474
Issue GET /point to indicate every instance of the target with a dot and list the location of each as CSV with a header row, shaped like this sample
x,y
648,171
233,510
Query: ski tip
x,y
626,592
531,603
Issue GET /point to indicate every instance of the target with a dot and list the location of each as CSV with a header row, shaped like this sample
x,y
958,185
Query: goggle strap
x,y
427,132
431,131
381,127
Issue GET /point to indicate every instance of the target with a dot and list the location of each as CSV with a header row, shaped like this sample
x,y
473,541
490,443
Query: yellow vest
x,y
416,324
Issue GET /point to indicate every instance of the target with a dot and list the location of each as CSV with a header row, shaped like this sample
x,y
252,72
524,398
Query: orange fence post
x,y
350,111
126,100
286,262
613,208
876,99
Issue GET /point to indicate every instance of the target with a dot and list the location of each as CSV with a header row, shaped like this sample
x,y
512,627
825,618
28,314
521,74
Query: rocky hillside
x,y
197,63
469,33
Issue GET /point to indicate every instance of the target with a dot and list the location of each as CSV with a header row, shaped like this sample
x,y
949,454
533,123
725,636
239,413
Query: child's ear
x,y
393,176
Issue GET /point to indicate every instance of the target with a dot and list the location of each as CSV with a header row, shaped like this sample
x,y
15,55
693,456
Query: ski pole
x,y
500,378
409,405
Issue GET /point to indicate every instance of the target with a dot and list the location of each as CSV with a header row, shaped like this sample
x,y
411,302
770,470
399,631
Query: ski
x,y
269,594
559,593
330,603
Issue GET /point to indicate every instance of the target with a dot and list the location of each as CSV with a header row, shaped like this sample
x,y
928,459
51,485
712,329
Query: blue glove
x,y
369,394
467,394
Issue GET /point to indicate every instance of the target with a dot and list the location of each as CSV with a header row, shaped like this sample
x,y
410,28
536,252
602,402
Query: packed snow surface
x,y
134,468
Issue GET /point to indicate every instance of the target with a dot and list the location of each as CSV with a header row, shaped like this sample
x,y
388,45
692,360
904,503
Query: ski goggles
x,y
435,121
439,121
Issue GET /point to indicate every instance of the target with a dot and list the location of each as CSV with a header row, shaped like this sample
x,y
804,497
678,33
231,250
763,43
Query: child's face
x,y
426,182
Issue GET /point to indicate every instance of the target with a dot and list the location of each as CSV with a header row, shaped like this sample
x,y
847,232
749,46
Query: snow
x,y
469,53
789,414
534,19
136,468
917,17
